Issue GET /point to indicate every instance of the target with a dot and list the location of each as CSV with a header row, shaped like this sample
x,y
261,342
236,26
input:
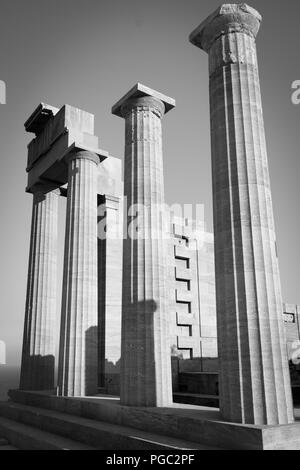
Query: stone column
x,y
38,355
78,338
145,349
254,374
110,251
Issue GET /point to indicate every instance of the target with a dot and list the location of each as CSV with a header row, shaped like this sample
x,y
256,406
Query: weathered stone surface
x,y
77,433
191,293
78,340
145,362
139,91
228,18
59,132
110,252
255,382
194,423
37,369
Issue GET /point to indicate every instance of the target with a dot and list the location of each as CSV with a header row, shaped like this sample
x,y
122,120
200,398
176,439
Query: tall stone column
x,y
254,374
110,250
77,374
145,349
38,355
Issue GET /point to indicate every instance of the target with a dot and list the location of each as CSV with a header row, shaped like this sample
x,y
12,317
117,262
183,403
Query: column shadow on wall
x,y
91,362
38,373
139,357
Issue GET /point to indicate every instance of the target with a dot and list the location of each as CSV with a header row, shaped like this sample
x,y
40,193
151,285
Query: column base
x,y
199,425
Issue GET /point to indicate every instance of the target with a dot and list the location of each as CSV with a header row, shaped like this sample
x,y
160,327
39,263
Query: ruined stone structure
x,y
79,322
254,376
159,280
110,246
190,285
65,152
145,355
37,370
55,172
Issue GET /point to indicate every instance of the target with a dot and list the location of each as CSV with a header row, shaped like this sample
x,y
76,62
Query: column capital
x,y
84,154
142,96
228,18
143,103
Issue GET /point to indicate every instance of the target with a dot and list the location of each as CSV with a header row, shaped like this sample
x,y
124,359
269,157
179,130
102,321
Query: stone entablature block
x,y
66,130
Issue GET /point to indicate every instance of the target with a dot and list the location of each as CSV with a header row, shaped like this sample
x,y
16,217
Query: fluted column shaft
x,y
145,360
38,354
78,338
254,374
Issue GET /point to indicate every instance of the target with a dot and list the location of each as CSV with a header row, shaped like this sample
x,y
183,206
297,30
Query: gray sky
x,y
88,53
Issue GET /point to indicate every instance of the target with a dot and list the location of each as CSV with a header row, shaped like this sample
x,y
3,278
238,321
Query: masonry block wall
x,y
192,298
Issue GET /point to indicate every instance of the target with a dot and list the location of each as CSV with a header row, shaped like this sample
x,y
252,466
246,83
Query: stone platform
x,y
201,427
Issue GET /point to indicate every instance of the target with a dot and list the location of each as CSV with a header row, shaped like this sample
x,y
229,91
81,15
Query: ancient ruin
x,y
254,376
142,305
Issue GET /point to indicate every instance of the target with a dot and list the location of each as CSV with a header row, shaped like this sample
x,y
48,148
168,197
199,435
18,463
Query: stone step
x,y
176,421
198,399
98,434
26,437
4,445
198,424
8,448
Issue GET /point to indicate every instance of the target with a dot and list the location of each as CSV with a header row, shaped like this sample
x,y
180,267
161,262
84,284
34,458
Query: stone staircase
x,y
35,428
26,437
4,445
197,388
42,420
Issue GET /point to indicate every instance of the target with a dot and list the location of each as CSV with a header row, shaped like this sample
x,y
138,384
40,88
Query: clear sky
x,y
88,53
